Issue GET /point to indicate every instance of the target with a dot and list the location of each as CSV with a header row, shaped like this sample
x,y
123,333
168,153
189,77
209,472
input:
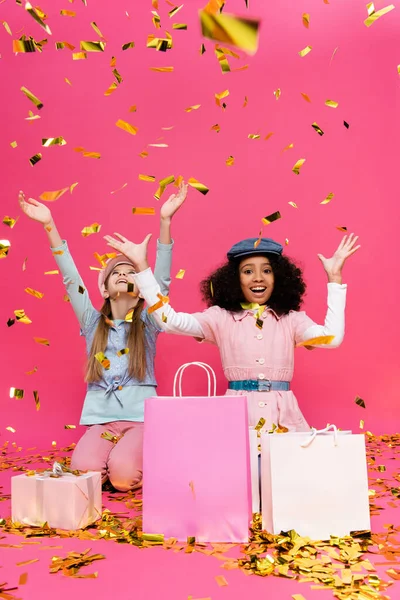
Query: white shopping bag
x,y
254,470
315,483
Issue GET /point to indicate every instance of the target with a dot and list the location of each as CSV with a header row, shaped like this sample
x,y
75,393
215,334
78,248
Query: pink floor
x,y
144,573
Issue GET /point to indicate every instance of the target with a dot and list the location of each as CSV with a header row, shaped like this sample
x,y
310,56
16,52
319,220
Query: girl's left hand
x,y
136,253
334,265
174,202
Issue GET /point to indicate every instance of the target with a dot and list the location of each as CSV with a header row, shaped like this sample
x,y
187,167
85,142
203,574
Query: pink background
x,y
360,165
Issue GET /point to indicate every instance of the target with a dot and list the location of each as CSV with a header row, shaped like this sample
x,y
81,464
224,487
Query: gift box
x,y
64,502
315,483
196,468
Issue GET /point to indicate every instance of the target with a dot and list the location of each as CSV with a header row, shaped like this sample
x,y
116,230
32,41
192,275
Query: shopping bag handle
x,y
315,432
207,369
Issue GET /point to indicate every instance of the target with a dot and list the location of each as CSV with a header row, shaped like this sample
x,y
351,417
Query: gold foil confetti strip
x,y
55,272
254,136
323,340
231,29
156,19
277,93
119,189
53,196
146,177
360,402
328,198
221,581
23,578
286,242
73,562
200,187
129,315
5,246
173,12
162,300
271,218
62,45
216,128
375,15
67,80
37,399
69,426
223,61
13,144
361,424
32,97
91,154
9,221
90,229
103,360
298,597
178,181
159,44
194,107
180,274
11,429
180,26
132,108
269,135
166,180
143,211
398,69
306,97
16,393
331,103
42,341
103,258
79,56
32,117
162,69
288,147
220,96
230,161
296,168
67,13
97,30
305,51
317,128
21,316
35,15
260,424
92,46
293,204
34,293
106,435
35,159
32,372
245,102
126,127
57,141
24,45
341,228
158,145
122,352
306,20
7,27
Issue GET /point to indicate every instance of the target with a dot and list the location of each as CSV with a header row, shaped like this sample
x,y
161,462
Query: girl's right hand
x,y
35,210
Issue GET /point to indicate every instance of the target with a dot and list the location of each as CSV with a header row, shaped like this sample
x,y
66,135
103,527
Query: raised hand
x,y
333,266
136,253
35,210
174,202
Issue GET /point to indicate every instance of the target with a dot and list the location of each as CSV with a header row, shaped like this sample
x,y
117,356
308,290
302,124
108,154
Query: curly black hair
x,y
222,287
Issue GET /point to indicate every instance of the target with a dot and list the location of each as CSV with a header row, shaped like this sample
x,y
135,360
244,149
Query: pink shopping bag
x,y
196,466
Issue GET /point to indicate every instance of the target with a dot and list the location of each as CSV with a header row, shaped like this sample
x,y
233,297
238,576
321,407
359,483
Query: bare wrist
x,y
334,278
141,266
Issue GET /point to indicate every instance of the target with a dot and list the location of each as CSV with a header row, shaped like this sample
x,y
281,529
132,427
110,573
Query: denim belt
x,y
259,385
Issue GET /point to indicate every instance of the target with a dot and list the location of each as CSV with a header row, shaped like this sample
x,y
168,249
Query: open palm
x,y
136,253
34,210
174,202
346,248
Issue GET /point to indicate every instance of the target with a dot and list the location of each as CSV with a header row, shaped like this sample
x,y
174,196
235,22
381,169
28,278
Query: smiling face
x,y
256,279
118,279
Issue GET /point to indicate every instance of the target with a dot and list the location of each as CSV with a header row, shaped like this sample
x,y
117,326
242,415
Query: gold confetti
x,y
306,20
288,147
162,69
129,315
97,30
69,426
194,107
253,136
22,317
159,145
286,242
132,108
11,429
23,45
32,372
328,198
146,177
293,204
202,49
180,274
52,196
221,581
360,402
55,272
32,117
271,218
223,61
323,340
79,56
260,424
143,211
269,135
216,128
127,127
398,69
16,393
9,221
5,246
94,228
34,293
200,187
92,46
341,228
230,161
298,597
13,144
35,159
37,399
32,97
306,97
173,12
62,45
374,16
103,360
123,351
296,168
57,141
277,93
318,129
67,13
305,51
34,13
7,27
230,29
220,96
23,578
67,80
42,341
180,26
156,19
331,103
361,424
159,44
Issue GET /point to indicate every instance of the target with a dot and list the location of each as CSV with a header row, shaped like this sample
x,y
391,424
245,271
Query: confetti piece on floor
x,y
328,198
200,187
143,211
231,29
271,218
34,293
305,51
360,402
127,127
296,168
42,341
128,45
16,393
180,274
331,103
90,229
323,340
5,246
375,15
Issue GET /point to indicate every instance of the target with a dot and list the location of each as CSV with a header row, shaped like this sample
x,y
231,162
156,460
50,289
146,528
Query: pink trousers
x,y
121,462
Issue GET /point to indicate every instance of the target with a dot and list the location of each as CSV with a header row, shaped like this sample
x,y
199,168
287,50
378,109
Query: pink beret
x,y
110,266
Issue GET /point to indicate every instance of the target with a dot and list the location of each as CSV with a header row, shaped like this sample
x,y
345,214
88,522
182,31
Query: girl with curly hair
x,y
253,317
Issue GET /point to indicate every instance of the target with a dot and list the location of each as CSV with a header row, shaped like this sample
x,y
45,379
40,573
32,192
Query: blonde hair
x,y
136,343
